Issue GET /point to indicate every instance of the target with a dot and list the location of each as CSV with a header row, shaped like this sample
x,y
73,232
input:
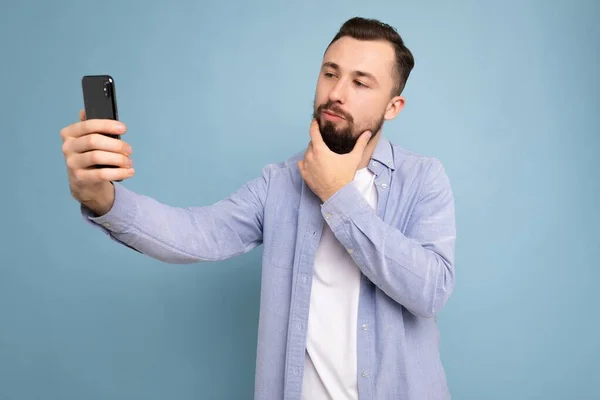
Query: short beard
x,y
342,141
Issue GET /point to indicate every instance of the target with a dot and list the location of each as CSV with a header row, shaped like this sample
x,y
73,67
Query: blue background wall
x,y
506,94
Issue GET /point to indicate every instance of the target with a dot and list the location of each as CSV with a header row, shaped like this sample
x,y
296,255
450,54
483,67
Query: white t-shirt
x,y
330,362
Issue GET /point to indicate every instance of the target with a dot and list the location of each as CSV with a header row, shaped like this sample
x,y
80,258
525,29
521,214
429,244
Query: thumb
x,y
362,142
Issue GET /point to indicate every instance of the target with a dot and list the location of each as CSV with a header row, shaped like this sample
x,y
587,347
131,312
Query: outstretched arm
x,y
227,228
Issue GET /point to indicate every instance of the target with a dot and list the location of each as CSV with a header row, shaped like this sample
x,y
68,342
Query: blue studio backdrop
x,y
505,94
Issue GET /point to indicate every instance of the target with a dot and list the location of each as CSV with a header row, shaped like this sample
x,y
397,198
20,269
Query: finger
x,y
301,167
315,133
104,174
82,128
97,141
362,142
82,115
99,157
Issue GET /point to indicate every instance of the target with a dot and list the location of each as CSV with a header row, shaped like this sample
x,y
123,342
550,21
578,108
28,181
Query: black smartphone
x,y
100,101
100,97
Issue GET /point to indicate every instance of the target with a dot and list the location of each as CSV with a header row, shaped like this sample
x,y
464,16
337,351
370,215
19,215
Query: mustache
x,y
334,107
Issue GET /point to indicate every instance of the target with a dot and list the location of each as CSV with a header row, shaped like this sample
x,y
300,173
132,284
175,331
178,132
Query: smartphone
x,y
100,101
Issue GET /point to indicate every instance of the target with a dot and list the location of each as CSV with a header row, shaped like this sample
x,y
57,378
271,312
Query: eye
x,y
360,84
328,75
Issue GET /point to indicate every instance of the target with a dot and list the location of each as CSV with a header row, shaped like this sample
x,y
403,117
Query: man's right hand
x,y
84,146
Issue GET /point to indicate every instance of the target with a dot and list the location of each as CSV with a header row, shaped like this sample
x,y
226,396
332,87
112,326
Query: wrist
x,y
328,194
102,201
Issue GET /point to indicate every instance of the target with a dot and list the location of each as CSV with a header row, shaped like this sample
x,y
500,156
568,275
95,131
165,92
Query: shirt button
x,y
384,185
364,374
106,224
350,251
364,327
328,216
374,164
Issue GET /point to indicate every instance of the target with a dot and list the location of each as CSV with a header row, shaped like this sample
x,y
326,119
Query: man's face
x,y
354,91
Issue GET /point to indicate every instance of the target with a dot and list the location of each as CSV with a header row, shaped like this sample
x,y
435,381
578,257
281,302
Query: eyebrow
x,y
336,67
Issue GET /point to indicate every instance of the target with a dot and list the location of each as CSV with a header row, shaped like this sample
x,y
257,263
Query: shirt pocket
x,y
282,242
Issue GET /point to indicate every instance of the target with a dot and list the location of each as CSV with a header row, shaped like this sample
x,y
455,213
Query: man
x,y
358,234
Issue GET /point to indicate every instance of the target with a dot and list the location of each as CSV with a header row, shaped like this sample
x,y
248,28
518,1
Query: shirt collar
x,y
383,153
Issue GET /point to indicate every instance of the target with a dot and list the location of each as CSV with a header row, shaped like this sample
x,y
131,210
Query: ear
x,y
395,105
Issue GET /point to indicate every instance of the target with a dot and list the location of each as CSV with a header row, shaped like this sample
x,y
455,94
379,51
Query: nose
x,y
338,92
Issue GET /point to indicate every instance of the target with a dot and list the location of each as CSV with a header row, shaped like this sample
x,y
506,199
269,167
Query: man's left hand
x,y
326,172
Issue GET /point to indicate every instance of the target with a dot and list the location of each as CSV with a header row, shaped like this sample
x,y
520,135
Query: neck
x,y
368,153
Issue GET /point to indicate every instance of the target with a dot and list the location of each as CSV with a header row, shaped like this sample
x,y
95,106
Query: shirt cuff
x,y
343,205
122,215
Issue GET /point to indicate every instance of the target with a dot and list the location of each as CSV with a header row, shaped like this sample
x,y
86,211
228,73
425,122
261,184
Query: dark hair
x,y
372,29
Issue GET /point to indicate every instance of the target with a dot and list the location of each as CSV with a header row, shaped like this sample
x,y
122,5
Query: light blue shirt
x,y
404,249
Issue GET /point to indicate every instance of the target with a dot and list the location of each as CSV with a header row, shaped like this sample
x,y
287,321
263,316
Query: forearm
x,y
418,274
181,235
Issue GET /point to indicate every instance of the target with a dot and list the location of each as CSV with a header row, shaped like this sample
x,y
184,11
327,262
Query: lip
x,y
331,115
